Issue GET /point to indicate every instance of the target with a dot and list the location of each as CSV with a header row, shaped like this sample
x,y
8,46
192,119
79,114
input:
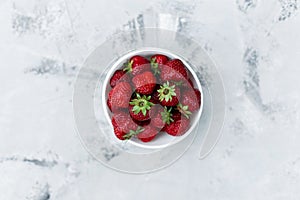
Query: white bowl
x,y
161,140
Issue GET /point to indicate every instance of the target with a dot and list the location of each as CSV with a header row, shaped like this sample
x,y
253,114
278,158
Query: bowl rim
x,y
151,50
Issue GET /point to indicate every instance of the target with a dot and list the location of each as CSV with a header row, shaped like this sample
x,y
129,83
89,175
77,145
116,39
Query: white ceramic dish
x,y
162,140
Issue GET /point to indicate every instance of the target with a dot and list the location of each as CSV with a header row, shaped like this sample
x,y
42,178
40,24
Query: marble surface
x,y
256,46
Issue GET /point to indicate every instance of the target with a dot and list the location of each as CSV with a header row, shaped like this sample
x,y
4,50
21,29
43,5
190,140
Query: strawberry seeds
x,y
151,97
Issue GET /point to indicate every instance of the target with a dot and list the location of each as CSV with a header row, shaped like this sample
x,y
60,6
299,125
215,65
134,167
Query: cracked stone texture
x,y
255,44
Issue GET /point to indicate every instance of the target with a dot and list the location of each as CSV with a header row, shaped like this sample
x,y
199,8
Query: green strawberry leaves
x,y
128,66
154,66
141,104
166,92
133,133
184,110
166,115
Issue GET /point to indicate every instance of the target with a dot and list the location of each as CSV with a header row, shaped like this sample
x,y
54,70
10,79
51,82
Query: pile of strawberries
x,y
149,97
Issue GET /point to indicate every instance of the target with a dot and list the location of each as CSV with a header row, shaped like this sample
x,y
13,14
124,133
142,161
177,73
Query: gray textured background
x,y
256,46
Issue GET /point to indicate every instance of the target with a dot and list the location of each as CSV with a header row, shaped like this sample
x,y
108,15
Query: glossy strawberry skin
x,y
108,102
198,95
139,116
191,98
174,70
144,83
148,134
120,95
187,84
117,77
138,64
176,115
156,117
175,99
178,127
160,59
122,124
155,95
119,133
157,62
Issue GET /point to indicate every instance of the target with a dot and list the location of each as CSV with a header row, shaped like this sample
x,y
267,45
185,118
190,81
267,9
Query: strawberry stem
x,y
141,104
167,115
128,66
166,92
154,66
133,133
184,110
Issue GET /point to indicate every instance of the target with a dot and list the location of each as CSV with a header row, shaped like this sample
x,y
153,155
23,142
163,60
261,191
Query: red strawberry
x,y
198,95
178,127
191,99
120,95
139,108
176,115
118,76
137,65
160,116
147,134
169,95
123,124
119,133
157,61
143,123
109,104
144,83
155,95
184,110
187,83
174,70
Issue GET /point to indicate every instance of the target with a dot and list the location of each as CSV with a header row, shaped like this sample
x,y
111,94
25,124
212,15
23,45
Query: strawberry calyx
x,y
184,110
166,92
128,66
141,104
167,115
154,66
133,133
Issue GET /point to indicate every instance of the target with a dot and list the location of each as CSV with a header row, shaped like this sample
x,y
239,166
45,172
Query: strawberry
x,y
120,95
186,84
147,134
123,124
198,95
157,61
184,110
118,76
155,95
144,83
108,102
169,95
178,127
160,116
139,107
176,115
174,70
137,65
191,99
143,123
119,133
